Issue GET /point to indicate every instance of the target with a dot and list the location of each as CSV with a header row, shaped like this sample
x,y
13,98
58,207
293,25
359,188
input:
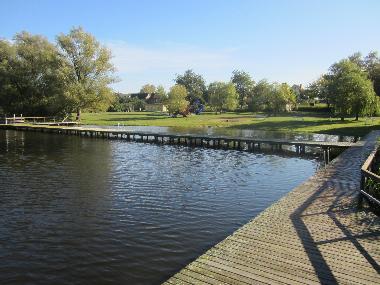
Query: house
x,y
152,101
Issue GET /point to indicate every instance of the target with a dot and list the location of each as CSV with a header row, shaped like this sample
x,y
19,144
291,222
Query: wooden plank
x,y
314,235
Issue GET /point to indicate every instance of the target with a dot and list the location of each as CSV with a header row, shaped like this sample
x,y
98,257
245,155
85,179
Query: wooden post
x,y
328,155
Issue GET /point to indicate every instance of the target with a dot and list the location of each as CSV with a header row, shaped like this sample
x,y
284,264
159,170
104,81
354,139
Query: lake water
x,y
90,211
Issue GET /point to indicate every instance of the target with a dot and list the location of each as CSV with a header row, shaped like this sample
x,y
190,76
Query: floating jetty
x,y
221,142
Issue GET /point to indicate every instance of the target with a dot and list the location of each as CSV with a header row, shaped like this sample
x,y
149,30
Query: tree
x,y
280,98
318,89
177,102
222,96
349,90
371,65
261,93
32,76
148,88
161,93
194,84
375,77
244,86
90,71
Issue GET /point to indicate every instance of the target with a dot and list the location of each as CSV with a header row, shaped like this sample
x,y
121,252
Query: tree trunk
x,y
342,118
78,114
357,117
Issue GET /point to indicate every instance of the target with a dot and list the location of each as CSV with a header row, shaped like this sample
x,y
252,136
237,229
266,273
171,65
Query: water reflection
x,y
91,211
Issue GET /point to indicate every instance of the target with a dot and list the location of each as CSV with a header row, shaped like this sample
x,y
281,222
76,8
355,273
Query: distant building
x,y
153,102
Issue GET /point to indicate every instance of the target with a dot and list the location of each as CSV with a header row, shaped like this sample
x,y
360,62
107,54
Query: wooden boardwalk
x,y
314,235
223,142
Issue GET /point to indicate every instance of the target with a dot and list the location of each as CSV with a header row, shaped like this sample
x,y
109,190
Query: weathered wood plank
x,y
313,235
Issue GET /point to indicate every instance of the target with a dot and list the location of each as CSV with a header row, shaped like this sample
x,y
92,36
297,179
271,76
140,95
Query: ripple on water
x,y
82,211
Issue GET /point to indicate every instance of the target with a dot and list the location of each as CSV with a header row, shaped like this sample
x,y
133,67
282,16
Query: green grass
x,y
293,122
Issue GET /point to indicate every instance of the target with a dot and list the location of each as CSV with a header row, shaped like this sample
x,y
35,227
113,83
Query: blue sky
x,y
290,41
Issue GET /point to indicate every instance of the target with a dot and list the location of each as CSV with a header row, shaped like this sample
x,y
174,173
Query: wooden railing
x,y
21,119
370,181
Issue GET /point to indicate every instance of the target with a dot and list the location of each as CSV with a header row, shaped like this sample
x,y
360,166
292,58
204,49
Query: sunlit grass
x,y
295,122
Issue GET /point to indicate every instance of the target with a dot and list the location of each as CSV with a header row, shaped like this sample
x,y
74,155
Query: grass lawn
x,y
295,122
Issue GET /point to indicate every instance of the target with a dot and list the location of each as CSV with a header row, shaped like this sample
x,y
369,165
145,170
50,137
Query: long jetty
x,y
316,234
222,142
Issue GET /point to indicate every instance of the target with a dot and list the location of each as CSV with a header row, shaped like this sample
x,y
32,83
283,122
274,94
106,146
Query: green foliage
x,y
194,84
317,89
176,101
349,90
124,103
32,76
280,98
261,93
222,96
272,97
161,94
244,86
90,71
148,88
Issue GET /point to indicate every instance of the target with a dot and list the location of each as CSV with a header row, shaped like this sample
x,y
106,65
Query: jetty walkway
x,y
223,142
316,234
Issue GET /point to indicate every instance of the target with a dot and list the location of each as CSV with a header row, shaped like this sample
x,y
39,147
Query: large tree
x,y
244,85
195,85
222,96
350,90
176,101
32,76
90,71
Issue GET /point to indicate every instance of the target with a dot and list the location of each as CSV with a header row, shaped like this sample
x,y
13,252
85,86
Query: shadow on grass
x,y
129,119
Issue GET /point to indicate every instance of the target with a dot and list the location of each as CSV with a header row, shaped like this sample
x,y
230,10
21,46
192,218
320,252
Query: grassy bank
x,y
295,122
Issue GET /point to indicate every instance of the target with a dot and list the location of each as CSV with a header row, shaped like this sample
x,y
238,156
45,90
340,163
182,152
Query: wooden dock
x,y
314,235
221,142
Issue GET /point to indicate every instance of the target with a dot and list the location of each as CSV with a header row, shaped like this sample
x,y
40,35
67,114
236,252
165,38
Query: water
x,y
90,211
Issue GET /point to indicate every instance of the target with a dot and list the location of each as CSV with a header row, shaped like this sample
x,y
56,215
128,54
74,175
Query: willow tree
x,y
90,71
32,76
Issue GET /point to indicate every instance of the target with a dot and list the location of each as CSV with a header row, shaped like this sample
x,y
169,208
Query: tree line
x,y
74,73
240,93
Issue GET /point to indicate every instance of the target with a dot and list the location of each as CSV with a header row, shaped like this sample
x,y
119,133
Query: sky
x,y
292,41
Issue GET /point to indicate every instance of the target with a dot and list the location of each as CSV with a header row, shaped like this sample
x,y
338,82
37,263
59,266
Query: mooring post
x,y
328,155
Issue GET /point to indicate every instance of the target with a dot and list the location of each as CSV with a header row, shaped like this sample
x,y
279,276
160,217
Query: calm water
x,y
90,211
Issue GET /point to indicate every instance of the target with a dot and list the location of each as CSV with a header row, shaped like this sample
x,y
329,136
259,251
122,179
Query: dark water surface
x,y
90,211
